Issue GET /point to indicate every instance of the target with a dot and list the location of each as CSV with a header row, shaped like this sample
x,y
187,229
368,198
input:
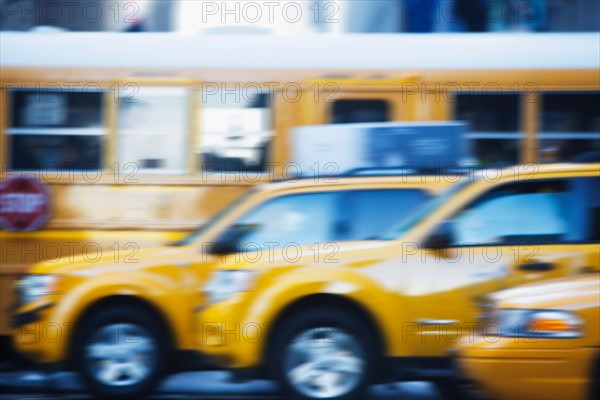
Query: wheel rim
x,y
324,362
121,354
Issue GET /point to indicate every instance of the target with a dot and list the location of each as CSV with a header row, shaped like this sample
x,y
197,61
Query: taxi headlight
x,y
32,287
224,284
524,323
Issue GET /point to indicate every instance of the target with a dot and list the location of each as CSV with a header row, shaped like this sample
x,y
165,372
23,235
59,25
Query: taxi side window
x,y
520,213
367,214
288,220
307,218
587,191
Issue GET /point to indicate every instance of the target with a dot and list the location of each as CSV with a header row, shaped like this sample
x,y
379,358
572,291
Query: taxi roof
x,y
534,170
440,181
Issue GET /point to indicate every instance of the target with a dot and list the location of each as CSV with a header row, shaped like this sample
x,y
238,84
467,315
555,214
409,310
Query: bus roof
x,y
376,52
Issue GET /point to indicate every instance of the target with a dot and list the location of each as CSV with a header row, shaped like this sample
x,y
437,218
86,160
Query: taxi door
x,y
513,234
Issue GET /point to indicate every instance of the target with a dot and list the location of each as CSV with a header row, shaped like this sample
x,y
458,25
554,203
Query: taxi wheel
x,y
595,380
121,352
456,390
325,353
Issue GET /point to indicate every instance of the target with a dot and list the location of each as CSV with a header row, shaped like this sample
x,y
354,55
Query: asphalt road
x,y
211,385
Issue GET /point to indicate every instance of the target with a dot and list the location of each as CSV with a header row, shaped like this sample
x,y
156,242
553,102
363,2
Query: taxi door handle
x,y
425,321
537,267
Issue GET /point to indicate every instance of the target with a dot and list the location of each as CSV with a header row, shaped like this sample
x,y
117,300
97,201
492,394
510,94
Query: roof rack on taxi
x,y
398,171
452,169
358,173
401,171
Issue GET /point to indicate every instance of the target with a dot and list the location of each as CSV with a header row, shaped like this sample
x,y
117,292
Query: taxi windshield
x,y
422,212
190,238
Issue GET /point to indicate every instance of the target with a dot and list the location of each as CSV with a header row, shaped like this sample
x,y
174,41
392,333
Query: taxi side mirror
x,y
228,241
221,248
441,238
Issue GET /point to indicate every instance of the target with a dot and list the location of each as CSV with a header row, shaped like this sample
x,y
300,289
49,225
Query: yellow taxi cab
x,y
325,325
125,321
541,341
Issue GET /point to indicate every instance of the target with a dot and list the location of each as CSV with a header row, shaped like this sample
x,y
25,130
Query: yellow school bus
x,y
139,138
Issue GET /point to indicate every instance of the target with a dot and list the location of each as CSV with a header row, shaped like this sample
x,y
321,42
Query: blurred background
x,y
142,119
356,16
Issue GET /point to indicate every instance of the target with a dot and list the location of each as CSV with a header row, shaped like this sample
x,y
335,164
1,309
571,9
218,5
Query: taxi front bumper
x,y
37,337
527,373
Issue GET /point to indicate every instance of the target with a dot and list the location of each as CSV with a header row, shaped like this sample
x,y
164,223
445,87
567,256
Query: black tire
x,y
331,317
123,316
452,389
595,381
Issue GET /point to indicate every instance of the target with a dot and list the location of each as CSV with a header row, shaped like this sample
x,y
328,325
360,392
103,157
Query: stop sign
x,y
24,204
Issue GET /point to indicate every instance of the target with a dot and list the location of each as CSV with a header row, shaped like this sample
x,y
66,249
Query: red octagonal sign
x,y
24,204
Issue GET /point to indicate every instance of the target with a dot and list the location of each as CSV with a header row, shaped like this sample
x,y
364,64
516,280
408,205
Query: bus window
x,y
53,129
355,111
494,121
569,126
236,129
153,126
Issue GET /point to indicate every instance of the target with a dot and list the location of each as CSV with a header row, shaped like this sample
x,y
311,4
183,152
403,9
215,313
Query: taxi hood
x,y
109,261
556,293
